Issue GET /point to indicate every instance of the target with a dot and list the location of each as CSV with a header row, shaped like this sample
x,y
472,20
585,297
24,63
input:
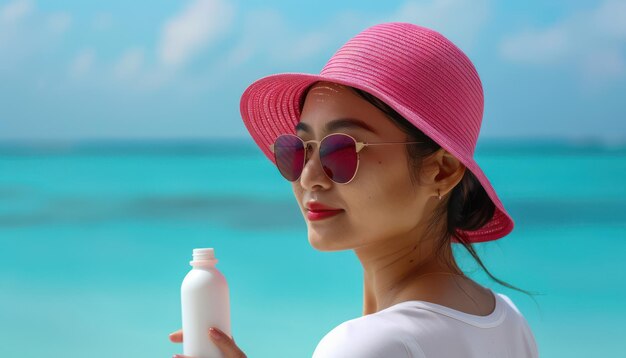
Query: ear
x,y
442,171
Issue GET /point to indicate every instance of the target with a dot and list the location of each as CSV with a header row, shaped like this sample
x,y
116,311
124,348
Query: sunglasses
x,y
338,153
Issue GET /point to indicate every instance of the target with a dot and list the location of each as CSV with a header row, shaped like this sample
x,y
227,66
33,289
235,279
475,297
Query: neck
x,y
400,272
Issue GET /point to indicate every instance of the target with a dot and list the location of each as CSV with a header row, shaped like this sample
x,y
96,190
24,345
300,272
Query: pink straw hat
x,y
415,70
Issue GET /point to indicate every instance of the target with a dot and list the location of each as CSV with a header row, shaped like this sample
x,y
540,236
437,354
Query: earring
x,y
439,194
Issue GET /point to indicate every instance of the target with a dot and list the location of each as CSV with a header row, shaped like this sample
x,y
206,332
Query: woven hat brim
x,y
270,107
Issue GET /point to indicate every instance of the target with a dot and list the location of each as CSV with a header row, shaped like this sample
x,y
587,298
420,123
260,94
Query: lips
x,y
317,206
318,211
318,215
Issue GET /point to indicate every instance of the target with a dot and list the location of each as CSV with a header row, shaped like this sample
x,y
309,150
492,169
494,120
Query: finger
x,y
180,356
177,336
225,343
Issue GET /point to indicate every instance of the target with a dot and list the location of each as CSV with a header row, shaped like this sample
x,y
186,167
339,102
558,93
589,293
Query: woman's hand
x,y
225,343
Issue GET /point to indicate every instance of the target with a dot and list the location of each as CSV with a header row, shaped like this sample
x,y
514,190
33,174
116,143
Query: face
x,y
380,203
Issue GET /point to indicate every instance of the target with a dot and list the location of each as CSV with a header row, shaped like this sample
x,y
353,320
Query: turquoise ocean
x,y
96,238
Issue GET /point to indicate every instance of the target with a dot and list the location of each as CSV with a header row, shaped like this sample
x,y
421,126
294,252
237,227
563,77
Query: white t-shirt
x,y
421,329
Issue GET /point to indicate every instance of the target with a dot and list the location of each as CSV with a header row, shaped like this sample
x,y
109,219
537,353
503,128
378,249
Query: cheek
x,y
387,202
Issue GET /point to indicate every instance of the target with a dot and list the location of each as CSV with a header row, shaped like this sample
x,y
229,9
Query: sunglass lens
x,y
339,158
289,155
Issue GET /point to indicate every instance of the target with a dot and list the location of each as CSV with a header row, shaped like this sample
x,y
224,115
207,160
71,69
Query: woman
x,y
379,149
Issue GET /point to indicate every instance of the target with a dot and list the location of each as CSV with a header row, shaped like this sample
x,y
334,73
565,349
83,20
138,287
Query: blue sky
x,y
77,70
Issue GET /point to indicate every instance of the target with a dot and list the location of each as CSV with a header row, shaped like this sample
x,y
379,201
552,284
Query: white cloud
x,y
309,44
262,35
592,43
21,19
549,46
458,20
15,11
82,63
129,64
268,35
602,65
102,21
11,17
193,29
610,19
256,26
26,33
59,22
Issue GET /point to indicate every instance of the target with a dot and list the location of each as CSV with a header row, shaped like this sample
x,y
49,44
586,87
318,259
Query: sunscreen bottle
x,y
205,303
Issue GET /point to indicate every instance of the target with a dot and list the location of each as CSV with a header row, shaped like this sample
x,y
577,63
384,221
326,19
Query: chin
x,y
325,243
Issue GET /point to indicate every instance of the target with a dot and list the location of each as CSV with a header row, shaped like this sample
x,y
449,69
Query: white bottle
x,y
205,303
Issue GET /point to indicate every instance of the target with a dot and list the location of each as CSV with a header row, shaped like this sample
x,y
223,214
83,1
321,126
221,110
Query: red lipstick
x,y
319,211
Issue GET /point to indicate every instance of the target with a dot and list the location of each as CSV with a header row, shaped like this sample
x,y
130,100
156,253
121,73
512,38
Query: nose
x,y
313,176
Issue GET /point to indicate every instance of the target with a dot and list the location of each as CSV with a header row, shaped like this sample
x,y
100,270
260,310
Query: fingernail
x,y
215,334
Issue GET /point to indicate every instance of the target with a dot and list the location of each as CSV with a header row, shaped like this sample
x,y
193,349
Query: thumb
x,y
225,343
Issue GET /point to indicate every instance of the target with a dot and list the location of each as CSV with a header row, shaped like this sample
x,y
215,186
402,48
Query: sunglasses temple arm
x,y
368,144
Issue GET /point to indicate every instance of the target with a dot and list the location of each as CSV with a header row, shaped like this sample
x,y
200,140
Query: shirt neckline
x,y
490,320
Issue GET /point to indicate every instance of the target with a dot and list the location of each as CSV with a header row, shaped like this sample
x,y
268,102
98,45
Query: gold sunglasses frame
x,y
358,146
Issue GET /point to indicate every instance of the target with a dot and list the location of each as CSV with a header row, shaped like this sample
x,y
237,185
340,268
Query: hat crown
x,y
417,71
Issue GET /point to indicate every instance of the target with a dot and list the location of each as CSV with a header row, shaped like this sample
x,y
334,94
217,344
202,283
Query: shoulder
x,y
515,312
529,342
370,336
